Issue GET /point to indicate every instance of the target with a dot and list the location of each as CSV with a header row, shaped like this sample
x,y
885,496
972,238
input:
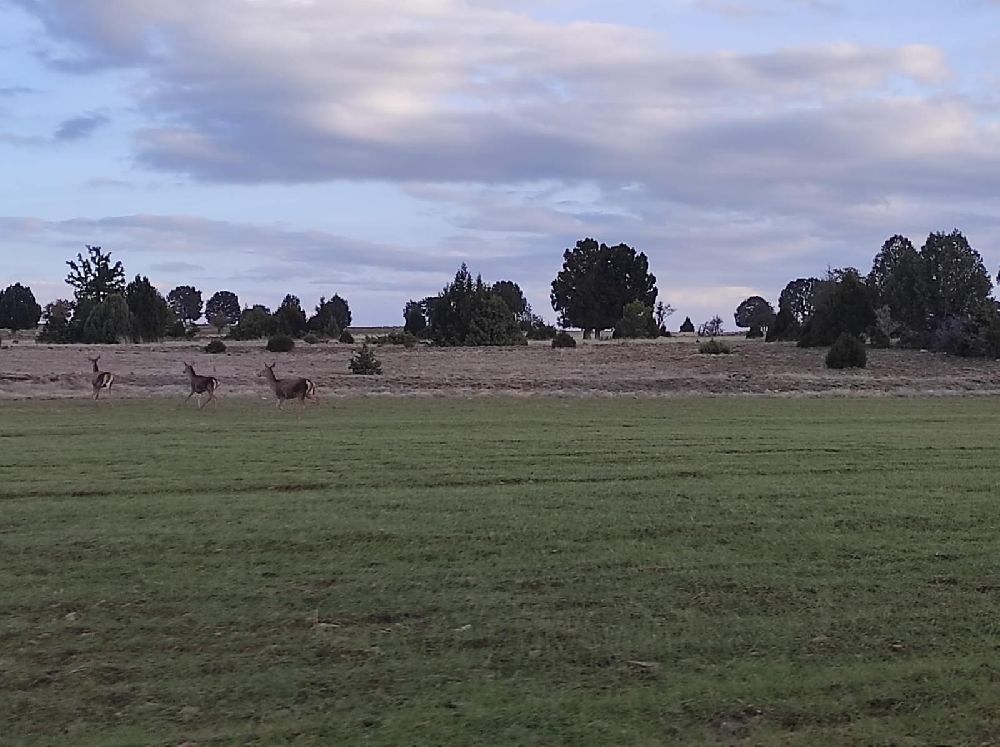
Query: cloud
x,y
10,91
78,128
445,90
733,170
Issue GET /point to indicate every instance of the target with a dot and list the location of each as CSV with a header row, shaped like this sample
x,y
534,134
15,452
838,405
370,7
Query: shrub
x,y
755,333
215,347
848,351
280,344
365,363
714,347
636,321
254,324
346,337
393,338
310,339
563,339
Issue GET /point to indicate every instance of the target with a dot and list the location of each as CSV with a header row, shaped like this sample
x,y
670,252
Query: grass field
x,y
499,571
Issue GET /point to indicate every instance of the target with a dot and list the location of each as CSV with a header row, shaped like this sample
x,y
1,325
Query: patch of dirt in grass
x,y
659,368
735,726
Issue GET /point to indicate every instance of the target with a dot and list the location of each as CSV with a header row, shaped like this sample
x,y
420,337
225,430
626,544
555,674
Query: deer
x,y
102,379
300,389
201,385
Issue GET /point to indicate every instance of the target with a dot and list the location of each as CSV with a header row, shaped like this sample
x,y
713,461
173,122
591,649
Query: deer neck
x,y
271,378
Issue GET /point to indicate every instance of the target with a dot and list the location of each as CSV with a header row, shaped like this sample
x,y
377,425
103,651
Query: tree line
x,y
105,309
936,297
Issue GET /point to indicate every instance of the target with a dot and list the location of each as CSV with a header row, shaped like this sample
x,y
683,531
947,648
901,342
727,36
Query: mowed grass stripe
x,y
501,571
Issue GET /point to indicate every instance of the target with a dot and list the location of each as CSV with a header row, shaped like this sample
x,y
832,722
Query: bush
x,y
215,347
755,333
563,340
364,362
541,331
280,344
254,324
310,339
847,351
393,338
714,347
346,337
636,321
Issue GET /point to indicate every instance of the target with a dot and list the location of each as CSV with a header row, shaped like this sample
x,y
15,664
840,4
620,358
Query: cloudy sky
x,y
368,147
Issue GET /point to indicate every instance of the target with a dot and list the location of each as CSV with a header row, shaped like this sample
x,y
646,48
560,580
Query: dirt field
x,y
640,368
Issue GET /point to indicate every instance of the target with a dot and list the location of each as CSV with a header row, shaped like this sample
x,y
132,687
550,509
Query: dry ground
x,y
641,368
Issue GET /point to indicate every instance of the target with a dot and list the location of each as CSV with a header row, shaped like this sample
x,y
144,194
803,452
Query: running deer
x,y
102,379
300,389
201,385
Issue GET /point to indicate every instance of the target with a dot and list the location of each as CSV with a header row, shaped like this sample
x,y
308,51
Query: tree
x,y
954,277
57,322
492,323
467,312
18,308
150,313
799,297
784,327
513,296
94,277
331,317
846,307
185,301
637,321
688,326
661,312
756,313
711,328
595,283
254,324
223,308
415,317
897,282
290,317
109,322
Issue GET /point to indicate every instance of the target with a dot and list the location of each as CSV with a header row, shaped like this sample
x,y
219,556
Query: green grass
x,y
501,572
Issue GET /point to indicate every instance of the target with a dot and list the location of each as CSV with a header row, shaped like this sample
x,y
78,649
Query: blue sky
x,y
275,146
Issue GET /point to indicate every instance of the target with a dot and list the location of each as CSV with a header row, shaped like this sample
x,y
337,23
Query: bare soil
x,y
669,367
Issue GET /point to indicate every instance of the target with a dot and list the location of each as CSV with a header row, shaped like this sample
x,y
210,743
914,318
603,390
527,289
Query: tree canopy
x,y
290,317
223,308
597,281
150,313
18,308
95,277
756,313
468,312
185,302
331,317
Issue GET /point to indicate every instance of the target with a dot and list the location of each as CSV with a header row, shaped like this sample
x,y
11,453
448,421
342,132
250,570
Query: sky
x,y
369,147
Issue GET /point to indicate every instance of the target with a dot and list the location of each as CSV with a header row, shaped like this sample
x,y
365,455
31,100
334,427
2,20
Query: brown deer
x,y
201,385
102,379
300,389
